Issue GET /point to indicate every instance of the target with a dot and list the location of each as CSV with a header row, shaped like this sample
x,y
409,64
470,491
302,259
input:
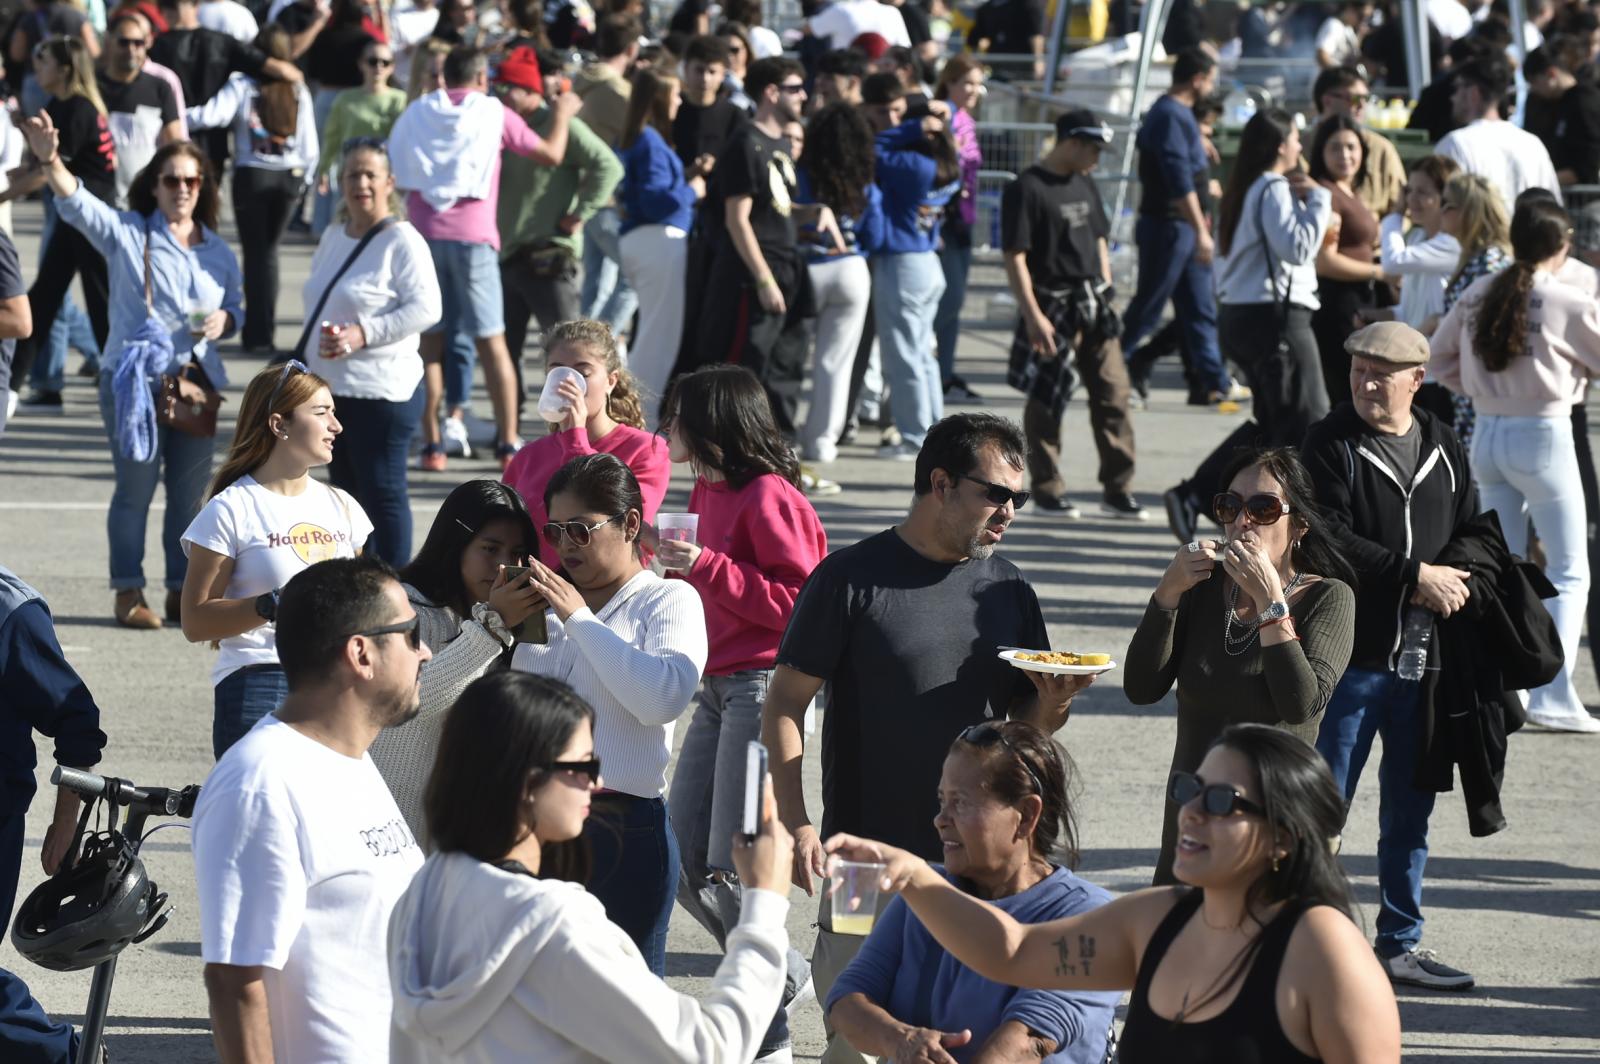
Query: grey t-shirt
x,y
11,286
1399,453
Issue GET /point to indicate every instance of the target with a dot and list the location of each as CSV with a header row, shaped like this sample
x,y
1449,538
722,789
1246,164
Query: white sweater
x,y
1510,158
490,966
1424,268
637,662
234,108
1294,232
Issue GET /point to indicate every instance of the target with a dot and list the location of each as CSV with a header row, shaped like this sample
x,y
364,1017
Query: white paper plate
x,y
1058,670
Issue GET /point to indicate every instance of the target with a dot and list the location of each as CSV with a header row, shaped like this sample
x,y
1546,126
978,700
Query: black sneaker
x,y
1422,967
1183,513
1139,366
957,390
42,402
1123,506
848,436
1058,505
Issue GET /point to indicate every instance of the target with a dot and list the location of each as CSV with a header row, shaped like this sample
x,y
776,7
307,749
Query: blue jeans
x,y
635,869
183,464
1167,270
956,262
1527,468
369,461
607,295
905,297
1365,704
243,697
474,308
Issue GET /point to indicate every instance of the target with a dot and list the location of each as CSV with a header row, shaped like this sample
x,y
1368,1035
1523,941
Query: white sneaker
x,y
12,399
454,432
1581,723
814,485
899,452
1422,967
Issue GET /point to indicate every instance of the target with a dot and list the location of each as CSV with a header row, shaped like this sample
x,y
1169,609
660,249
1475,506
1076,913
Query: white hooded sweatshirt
x,y
489,966
446,151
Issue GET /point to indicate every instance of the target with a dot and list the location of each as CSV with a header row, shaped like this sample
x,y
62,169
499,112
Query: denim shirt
x,y
205,275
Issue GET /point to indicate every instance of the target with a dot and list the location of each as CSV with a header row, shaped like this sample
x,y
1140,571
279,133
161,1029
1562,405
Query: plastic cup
x,y
551,406
197,318
678,526
853,887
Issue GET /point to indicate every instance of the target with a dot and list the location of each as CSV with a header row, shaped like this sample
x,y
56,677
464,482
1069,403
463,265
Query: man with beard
x,y
141,109
299,850
904,627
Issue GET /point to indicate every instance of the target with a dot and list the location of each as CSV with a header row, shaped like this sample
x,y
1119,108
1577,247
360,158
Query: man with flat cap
x,y
1394,485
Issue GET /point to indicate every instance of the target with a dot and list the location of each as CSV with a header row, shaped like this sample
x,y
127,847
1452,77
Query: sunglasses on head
x,y
411,629
1217,799
987,735
177,181
293,365
590,768
578,533
999,494
1261,509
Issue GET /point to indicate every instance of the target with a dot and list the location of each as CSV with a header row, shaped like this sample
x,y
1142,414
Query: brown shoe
x,y
174,607
132,611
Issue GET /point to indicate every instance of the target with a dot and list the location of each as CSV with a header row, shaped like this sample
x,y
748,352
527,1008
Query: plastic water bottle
x,y
1414,642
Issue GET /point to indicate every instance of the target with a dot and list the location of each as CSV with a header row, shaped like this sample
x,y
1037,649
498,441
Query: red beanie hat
x,y
872,45
521,68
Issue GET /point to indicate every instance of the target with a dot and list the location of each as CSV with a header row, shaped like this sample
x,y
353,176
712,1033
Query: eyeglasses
x,y
132,42
590,768
988,735
411,629
379,62
577,532
283,378
791,90
1217,799
999,494
1355,99
177,181
1261,509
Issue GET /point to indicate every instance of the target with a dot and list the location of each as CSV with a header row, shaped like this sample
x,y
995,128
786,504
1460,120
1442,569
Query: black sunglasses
x,y
379,62
590,768
1217,799
987,735
1262,509
999,494
132,42
283,378
411,629
579,533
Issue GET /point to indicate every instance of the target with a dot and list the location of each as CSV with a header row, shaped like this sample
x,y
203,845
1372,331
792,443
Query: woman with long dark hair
x,y
275,153
836,168
194,302
1523,371
265,522
497,955
961,83
468,609
1274,968
633,646
1256,627
1346,271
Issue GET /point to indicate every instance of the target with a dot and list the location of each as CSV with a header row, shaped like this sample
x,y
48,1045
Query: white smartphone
x,y
755,774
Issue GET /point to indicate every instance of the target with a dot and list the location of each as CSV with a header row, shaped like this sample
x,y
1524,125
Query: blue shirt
x,y
903,970
1172,158
913,206
205,275
654,191
863,234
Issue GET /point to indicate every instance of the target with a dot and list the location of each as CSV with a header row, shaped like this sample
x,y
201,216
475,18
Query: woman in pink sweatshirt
x,y
605,414
759,539
1522,345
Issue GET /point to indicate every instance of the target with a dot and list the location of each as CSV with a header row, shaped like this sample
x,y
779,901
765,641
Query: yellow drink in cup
x,y
853,888
853,923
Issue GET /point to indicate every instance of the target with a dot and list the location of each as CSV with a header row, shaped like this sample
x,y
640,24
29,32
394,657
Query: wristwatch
x,y
267,605
1273,613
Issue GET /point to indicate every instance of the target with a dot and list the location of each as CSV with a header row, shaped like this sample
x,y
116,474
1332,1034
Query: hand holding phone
x,y
755,773
531,629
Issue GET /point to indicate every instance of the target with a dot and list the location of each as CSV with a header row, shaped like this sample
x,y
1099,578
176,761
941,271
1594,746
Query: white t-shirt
x,y
1511,159
845,20
1339,41
230,17
300,855
392,291
271,538
412,26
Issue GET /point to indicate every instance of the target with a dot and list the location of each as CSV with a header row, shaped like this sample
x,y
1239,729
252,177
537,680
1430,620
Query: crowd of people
x,y
441,825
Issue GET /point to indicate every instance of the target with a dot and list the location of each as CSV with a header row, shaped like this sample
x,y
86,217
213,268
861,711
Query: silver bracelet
x,y
491,620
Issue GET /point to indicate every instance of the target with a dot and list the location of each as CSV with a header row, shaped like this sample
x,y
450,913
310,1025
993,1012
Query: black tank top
x,y
1246,1032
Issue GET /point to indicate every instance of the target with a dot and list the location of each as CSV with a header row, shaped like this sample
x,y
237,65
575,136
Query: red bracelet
x,y
1288,622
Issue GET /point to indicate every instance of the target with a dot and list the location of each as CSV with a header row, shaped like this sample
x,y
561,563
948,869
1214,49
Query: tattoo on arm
x,y
1065,962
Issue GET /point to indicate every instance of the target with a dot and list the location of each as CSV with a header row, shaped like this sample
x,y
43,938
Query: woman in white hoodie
x,y
494,957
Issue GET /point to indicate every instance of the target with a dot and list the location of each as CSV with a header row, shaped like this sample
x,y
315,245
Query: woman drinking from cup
x,y
633,646
173,220
1255,628
384,297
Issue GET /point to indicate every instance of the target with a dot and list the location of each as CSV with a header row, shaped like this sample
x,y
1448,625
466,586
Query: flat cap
x,y
1389,341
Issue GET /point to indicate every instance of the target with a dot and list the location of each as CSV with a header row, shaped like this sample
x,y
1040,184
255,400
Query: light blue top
x,y
205,275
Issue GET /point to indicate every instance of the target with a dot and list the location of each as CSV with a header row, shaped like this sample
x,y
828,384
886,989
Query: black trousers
x,y
550,300
1332,324
1591,509
262,202
734,327
68,254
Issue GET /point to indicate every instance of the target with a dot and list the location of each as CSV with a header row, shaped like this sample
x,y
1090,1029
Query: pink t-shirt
x,y
472,221
643,452
759,544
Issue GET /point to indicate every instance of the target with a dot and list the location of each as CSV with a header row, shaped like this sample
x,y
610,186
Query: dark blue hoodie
x,y
912,206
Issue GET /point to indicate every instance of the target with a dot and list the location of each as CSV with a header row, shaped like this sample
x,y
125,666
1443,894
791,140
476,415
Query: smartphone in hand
x,y
532,629
755,775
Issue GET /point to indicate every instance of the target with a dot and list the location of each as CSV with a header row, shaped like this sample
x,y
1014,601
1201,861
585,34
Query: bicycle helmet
x,y
90,912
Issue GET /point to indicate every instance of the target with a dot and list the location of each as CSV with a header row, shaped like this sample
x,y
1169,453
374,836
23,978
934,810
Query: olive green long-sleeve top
x,y
534,197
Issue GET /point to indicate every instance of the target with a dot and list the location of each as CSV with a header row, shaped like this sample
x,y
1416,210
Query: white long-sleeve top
x,y
1294,231
234,108
496,967
1424,268
637,661
1509,157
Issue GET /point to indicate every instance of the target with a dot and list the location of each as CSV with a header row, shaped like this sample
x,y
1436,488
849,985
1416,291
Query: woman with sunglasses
x,y
371,354
468,609
266,521
633,646
497,953
1256,628
1523,346
1009,837
1256,958
368,110
191,269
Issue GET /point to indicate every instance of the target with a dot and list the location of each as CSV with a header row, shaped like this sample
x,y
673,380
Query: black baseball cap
x,y
1083,124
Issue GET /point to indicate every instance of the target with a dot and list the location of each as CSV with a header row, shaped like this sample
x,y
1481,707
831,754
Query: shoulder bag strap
x,y
149,302
1271,261
322,300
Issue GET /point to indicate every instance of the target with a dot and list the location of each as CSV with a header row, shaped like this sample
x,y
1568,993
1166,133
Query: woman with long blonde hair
x,y
1472,211
265,521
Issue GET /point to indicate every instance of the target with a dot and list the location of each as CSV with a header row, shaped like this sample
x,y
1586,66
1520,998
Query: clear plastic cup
x,y
551,406
197,318
684,527
853,888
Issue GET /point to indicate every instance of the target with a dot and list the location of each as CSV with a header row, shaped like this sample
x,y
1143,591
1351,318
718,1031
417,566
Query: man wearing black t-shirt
x,y
1574,138
140,108
904,627
1010,27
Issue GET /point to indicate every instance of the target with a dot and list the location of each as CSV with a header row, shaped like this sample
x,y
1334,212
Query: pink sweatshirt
x,y
1563,352
643,452
758,546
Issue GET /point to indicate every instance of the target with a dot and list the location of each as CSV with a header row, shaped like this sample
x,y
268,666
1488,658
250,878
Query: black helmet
x,y
88,913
